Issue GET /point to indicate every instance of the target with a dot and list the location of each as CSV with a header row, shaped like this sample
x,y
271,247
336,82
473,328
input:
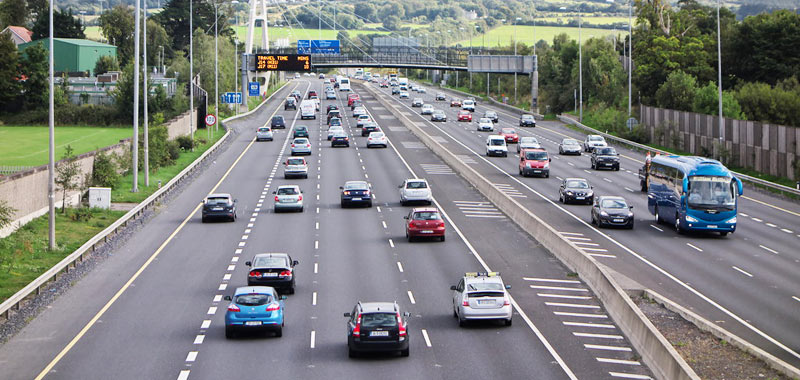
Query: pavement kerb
x,y
721,333
657,353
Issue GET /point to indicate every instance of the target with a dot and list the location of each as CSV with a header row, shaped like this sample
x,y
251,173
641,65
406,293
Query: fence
x,y
763,147
8,170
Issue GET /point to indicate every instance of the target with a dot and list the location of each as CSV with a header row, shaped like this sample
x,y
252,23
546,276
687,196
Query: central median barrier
x,y
657,353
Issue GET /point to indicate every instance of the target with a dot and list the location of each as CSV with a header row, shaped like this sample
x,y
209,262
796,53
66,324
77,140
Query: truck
x,y
403,81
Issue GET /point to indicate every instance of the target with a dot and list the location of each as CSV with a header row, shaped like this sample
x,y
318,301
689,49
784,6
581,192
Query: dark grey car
x,y
612,211
605,157
575,190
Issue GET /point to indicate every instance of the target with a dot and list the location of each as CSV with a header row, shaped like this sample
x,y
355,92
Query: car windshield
x,y
270,262
606,151
253,299
538,156
301,128
376,135
497,142
373,320
613,203
438,113
336,121
527,117
711,192
263,129
427,215
485,120
575,184
468,102
490,114
485,286
569,142
529,140
595,138
417,185
277,118
300,141
464,113
296,161
363,117
509,131
287,191
355,185
217,201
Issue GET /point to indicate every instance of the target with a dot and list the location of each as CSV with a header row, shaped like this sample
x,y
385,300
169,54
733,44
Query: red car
x,y
455,103
464,115
424,222
510,135
351,98
312,93
384,84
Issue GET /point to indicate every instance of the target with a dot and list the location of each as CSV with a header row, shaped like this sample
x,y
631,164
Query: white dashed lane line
x,y
598,336
742,271
695,247
199,339
313,338
768,249
796,298
411,298
391,243
184,375
314,299
192,356
659,229
427,339
400,267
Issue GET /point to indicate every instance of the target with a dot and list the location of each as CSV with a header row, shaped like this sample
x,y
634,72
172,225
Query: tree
x,y
117,25
104,171
105,64
392,22
13,12
175,20
677,92
707,102
34,65
65,25
6,213
764,48
366,10
157,36
779,104
37,8
9,86
67,173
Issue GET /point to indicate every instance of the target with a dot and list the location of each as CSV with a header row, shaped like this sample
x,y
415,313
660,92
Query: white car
x,y
403,94
358,111
569,146
481,296
427,109
421,90
362,119
415,190
593,141
468,105
295,167
485,125
528,142
288,197
264,133
496,146
334,129
377,139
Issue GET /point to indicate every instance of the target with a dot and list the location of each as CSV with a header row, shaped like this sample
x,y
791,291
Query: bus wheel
x,y
723,233
678,228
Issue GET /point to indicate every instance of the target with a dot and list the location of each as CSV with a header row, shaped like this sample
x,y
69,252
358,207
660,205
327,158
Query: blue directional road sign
x,y
253,89
231,98
318,47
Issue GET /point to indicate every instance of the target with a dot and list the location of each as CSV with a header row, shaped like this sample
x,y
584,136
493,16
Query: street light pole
x,y
51,166
515,53
580,67
146,95
136,53
630,52
216,62
719,80
236,71
191,75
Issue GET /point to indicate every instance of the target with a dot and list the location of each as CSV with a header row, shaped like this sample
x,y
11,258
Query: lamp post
x,y
580,66
719,85
135,148
51,166
216,61
630,52
515,53
146,95
191,75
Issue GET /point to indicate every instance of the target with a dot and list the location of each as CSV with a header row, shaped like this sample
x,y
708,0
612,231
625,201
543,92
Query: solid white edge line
x,y
425,336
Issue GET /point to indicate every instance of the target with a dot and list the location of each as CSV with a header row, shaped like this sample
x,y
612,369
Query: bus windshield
x,y
711,193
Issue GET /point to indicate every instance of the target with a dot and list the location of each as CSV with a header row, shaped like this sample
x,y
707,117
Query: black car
x,y
291,103
491,115
612,211
301,131
333,114
331,107
356,103
278,122
575,190
369,128
438,115
527,120
377,327
605,157
356,193
340,139
272,269
219,206
440,96
395,90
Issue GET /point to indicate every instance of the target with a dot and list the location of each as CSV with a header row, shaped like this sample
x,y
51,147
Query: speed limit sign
x,y
211,119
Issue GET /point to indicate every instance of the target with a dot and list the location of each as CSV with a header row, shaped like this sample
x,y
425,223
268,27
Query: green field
x,y
597,20
504,35
28,146
294,34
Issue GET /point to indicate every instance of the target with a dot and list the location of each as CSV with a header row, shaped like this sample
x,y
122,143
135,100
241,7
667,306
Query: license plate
x,y
426,232
607,164
537,171
356,199
485,302
252,323
216,209
579,198
712,226
378,333
619,220
269,275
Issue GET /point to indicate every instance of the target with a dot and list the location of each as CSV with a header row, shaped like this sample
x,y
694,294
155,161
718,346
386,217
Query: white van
x,y
344,84
403,81
308,109
496,146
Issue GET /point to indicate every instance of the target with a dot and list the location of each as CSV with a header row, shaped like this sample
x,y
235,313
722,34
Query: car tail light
x,y
441,224
308,145
346,138
369,138
234,308
465,302
401,326
410,224
506,302
292,145
300,197
286,273
273,307
357,329
254,273
366,192
276,198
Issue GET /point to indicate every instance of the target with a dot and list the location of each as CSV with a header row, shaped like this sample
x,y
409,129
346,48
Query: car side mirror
x,y
347,314
453,287
341,188
405,217
227,298
406,314
235,200
549,160
248,263
282,297
295,262
273,192
508,286
591,187
630,207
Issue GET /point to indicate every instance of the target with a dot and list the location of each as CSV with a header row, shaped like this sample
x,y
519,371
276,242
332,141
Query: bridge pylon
x,y
258,12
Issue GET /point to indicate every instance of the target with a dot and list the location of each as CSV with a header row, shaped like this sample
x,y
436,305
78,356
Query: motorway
x,y
746,282
154,309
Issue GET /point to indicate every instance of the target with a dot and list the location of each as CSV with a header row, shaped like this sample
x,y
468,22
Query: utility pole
x,y
146,95
216,63
630,52
319,20
51,166
515,53
580,66
719,86
136,53
191,75
236,71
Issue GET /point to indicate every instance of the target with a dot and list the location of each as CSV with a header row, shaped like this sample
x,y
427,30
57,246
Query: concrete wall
x,y
26,191
766,148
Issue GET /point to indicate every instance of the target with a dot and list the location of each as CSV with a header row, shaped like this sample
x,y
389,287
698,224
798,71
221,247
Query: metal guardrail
x,y
746,178
36,286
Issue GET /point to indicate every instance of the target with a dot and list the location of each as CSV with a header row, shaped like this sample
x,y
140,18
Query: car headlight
x,y
731,220
630,214
603,213
691,219
569,193
546,166
589,193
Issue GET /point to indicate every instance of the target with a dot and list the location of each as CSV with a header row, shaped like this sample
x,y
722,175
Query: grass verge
x,y
24,255
253,102
28,145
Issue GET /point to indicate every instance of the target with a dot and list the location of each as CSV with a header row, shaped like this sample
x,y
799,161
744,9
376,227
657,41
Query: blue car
x,y
254,308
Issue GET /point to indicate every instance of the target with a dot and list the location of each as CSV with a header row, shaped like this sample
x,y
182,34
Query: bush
x,y
159,148
81,214
185,142
174,149
105,171
677,92
6,214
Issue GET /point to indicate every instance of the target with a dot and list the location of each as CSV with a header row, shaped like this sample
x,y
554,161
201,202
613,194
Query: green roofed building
x,y
74,55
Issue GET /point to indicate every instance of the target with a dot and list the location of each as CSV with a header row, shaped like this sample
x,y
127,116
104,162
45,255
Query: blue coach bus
x,y
693,194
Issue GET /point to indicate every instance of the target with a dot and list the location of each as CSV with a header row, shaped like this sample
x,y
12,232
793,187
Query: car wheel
x,y
343,205
203,220
560,198
455,313
593,221
352,353
279,332
441,238
462,322
630,226
369,204
229,333
404,353
723,233
301,209
508,322
657,216
290,290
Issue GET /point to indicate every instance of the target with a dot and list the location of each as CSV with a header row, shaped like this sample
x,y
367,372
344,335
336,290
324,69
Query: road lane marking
x,y
231,268
199,339
317,226
223,286
630,375
316,268
206,324
600,336
391,243
770,205
581,315
596,325
316,244
314,299
768,249
242,243
771,225
608,348
192,356
548,295
579,243
629,189
618,361
788,231
425,336
551,280
607,180
378,208
234,259
796,298
217,298
400,267
238,251
757,220
226,277
411,298
742,271
558,288
212,310
313,338
603,255
593,249
574,305
695,247
183,375
384,224
659,229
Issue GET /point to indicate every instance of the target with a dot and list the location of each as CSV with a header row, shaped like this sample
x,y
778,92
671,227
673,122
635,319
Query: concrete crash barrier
x,y
657,353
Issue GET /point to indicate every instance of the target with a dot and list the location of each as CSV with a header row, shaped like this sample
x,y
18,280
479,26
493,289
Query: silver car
x,y
377,139
334,129
593,141
301,146
481,296
295,167
569,146
264,133
427,109
358,111
288,197
528,142
362,119
485,125
415,190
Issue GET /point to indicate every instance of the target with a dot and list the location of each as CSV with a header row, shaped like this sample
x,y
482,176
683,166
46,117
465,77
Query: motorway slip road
x,y
154,309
